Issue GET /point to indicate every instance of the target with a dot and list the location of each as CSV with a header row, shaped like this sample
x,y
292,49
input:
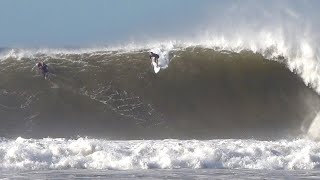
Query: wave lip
x,y
83,153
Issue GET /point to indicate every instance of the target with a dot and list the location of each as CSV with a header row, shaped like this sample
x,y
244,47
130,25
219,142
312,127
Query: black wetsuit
x,y
156,56
44,68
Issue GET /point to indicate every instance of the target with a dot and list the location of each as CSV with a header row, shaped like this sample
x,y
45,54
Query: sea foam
x,y
84,153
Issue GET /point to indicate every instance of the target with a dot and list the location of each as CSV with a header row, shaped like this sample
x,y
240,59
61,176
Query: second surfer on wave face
x,y
43,68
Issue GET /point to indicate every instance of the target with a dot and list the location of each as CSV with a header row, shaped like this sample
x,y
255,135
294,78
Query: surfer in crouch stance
x,y
43,68
155,56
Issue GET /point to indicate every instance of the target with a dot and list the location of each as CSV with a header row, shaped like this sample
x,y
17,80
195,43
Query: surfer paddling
x,y
155,56
43,68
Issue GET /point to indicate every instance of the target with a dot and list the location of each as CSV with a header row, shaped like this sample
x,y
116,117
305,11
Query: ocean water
x,y
226,104
209,113
164,174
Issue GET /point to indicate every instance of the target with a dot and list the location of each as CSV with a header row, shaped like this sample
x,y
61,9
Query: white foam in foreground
x,y
85,153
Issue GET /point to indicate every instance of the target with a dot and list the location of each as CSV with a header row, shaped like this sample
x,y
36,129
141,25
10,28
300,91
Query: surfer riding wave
x,y
43,68
155,56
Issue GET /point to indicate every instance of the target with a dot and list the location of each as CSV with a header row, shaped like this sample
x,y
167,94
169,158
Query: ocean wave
x,y
199,93
199,85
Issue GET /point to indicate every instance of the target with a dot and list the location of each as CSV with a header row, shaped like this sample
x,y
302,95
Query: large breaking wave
x,y
217,88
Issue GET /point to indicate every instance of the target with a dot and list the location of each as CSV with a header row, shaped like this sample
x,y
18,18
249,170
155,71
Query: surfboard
x,y
155,67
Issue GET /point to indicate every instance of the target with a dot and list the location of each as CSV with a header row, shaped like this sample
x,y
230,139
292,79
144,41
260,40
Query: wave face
x,y
200,93
32,154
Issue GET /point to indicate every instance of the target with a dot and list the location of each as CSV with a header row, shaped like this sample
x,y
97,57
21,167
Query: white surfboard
x,y
155,67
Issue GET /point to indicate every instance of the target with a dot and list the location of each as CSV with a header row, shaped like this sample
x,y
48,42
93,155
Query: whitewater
x,y
86,153
97,158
